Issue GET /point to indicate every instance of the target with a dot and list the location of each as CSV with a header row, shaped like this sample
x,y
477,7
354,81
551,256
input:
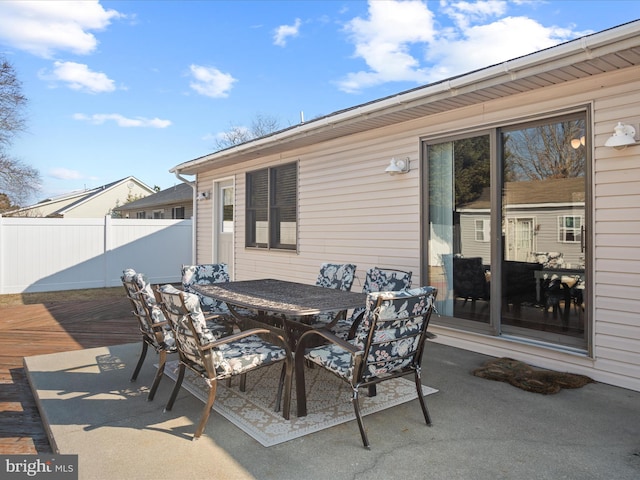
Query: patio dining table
x,y
286,305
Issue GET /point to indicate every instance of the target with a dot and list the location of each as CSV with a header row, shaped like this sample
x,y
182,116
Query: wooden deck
x,y
50,327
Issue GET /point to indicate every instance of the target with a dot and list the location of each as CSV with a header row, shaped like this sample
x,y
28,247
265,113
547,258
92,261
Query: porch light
x,y
623,135
397,166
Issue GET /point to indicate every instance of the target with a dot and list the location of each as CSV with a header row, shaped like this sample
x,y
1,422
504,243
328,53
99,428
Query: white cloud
x,y
210,81
484,45
65,174
284,31
121,120
463,13
43,27
77,76
399,41
383,41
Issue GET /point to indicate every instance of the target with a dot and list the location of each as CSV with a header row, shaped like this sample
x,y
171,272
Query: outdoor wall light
x,y
203,196
623,135
397,166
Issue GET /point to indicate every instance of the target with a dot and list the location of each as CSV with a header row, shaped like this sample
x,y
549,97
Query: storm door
x,y
223,220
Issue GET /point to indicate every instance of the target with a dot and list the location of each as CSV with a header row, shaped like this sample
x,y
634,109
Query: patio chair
x,y
389,343
206,274
214,358
339,276
154,328
376,280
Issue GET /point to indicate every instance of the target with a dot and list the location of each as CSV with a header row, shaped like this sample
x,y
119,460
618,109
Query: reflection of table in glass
x,y
279,302
567,276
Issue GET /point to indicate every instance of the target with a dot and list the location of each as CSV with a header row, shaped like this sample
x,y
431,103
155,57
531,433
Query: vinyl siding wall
x,y
351,211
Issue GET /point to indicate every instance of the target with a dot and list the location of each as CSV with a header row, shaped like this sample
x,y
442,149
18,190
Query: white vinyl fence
x,y
50,254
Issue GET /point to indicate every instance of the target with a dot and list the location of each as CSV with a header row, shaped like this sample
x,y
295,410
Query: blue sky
x,y
120,88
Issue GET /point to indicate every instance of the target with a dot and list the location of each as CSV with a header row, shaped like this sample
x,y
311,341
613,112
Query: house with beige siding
x,y
95,202
459,214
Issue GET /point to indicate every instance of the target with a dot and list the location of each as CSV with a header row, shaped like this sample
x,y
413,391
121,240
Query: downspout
x,y
194,242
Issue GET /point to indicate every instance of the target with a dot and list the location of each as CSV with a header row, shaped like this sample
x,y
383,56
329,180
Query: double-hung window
x,y
272,210
569,229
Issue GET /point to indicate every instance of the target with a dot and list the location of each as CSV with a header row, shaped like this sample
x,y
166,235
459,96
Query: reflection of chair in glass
x,y
389,343
577,296
554,293
214,358
154,327
519,283
470,280
377,280
549,259
560,292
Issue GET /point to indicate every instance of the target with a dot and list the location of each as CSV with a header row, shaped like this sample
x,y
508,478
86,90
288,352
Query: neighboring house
x,y
536,215
173,202
93,203
320,191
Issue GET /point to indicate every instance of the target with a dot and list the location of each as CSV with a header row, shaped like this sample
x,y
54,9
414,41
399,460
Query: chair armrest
x,y
247,333
328,336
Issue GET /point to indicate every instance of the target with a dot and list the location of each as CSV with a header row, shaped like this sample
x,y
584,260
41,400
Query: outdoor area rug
x,y
328,402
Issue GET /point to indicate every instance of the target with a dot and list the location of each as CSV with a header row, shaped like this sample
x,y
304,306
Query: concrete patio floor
x,y
481,430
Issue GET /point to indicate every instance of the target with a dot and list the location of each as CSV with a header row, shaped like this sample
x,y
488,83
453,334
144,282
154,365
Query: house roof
x,y
179,193
80,196
602,52
550,190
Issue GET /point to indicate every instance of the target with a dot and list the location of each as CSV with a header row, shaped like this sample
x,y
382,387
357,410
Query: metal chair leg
x,y
176,388
143,354
423,404
207,409
159,373
301,394
283,373
356,408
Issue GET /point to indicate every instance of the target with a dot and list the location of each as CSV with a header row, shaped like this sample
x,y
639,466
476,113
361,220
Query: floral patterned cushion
x,y
207,330
392,324
386,280
228,358
377,280
141,293
336,276
206,274
246,354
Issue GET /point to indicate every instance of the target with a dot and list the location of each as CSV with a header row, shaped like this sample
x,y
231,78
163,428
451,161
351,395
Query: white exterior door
x,y
223,219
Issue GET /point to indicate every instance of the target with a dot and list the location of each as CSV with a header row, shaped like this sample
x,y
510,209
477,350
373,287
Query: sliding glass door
x,y
505,228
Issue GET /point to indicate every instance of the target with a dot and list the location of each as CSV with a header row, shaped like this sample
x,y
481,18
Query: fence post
x,y
107,249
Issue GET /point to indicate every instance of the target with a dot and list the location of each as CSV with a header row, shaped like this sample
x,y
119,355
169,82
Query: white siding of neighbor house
x,y
351,211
